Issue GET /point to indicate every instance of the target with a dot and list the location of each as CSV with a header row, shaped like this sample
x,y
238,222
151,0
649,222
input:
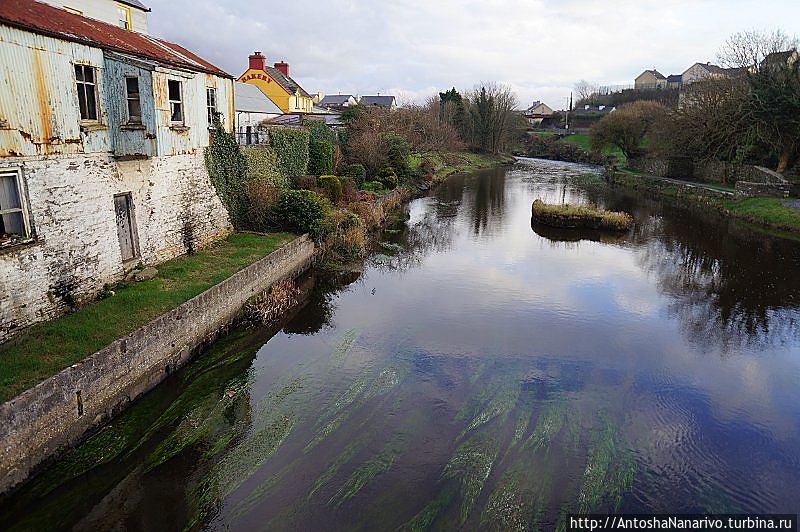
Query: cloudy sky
x,y
413,48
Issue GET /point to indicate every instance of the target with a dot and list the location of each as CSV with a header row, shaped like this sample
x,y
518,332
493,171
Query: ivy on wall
x,y
227,169
320,157
291,148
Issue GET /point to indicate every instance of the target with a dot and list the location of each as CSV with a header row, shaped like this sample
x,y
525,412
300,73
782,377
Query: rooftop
x,y
250,99
380,101
53,22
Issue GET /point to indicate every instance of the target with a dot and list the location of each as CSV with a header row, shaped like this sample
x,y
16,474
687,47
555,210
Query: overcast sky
x,y
414,48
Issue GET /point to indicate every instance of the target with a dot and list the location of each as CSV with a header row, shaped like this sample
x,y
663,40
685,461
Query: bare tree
x,y
747,49
584,91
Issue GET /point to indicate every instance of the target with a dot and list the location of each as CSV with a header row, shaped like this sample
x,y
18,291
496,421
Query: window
x,y
85,77
73,10
211,104
124,17
14,227
132,98
175,101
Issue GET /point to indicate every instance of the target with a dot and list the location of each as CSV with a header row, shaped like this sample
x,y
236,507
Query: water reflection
x,y
481,372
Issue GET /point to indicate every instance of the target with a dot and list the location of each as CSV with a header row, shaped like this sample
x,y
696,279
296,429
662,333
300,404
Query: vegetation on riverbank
x,y
580,216
781,215
48,347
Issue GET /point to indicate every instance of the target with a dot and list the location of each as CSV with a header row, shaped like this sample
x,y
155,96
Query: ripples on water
x,y
480,373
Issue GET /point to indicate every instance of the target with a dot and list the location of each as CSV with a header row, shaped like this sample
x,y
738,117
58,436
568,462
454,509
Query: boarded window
x,y
133,101
211,104
13,214
85,78
175,101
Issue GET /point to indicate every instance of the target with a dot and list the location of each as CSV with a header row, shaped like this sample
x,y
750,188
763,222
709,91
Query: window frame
x,y
179,102
211,107
16,173
121,8
128,99
95,90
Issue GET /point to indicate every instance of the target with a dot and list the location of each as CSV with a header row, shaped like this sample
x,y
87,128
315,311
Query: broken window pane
x,y
175,103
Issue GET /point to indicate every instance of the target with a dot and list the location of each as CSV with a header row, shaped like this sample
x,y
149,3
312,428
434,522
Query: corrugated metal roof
x,y
250,99
47,20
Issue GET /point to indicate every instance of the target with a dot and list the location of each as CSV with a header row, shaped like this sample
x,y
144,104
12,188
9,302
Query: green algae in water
x,y
342,349
471,465
326,476
548,425
427,516
367,472
499,406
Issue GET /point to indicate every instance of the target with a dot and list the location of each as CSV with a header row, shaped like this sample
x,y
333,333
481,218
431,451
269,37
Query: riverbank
x,y
62,410
780,216
48,347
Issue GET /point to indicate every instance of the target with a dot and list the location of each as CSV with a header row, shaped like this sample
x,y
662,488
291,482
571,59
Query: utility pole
x,y
569,109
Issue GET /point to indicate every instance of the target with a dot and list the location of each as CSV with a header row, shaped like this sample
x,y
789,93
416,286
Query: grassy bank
x,y
48,347
770,213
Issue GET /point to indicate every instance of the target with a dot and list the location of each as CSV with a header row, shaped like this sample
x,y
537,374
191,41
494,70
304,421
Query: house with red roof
x,y
103,131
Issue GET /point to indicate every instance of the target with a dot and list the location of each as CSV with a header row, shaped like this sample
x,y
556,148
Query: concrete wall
x,y
75,247
57,413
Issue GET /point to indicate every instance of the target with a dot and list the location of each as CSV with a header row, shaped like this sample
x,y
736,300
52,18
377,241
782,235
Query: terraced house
x,y
275,82
102,136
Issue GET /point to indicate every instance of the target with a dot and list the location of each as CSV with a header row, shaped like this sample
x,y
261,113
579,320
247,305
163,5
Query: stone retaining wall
x,y
57,413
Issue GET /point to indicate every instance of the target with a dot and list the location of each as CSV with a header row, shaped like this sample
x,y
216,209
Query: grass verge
x,y
48,347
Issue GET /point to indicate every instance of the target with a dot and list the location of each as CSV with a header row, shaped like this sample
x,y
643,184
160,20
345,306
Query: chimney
x,y
258,61
283,67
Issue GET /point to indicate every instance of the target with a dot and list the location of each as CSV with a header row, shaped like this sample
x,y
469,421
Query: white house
x,y
252,108
537,112
102,139
338,101
127,14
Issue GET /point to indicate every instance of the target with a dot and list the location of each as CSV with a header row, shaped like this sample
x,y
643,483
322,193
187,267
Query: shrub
x,y
399,152
320,157
357,172
261,202
387,177
291,149
349,189
331,186
320,131
369,211
374,187
302,211
344,237
306,182
263,166
227,168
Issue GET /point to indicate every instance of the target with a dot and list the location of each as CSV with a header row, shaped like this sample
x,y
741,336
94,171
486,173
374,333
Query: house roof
x,y
711,69
290,85
779,58
250,99
380,101
655,72
335,99
300,119
134,3
53,22
674,78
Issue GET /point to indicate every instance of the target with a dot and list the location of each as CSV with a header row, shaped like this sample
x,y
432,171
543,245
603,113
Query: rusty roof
x,y
54,22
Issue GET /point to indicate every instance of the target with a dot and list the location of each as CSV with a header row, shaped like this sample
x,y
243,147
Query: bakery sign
x,y
257,75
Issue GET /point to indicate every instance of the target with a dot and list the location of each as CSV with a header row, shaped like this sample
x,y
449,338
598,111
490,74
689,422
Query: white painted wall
x,y
77,249
104,10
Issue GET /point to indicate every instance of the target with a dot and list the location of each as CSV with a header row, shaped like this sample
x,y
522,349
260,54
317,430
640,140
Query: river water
x,y
479,373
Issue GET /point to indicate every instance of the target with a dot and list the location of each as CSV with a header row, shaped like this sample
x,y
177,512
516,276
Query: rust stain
x,y
42,99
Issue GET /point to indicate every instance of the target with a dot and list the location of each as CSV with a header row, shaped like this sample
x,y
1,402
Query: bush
x,y
349,189
399,153
291,149
344,237
387,177
357,172
263,166
320,157
332,187
302,211
320,131
227,168
374,187
261,202
369,211
305,182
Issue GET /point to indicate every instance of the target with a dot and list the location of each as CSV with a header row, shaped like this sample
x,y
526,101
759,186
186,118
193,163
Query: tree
x,y
627,127
492,120
748,49
584,91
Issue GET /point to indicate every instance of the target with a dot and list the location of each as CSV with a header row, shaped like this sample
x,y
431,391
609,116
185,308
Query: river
x,y
479,373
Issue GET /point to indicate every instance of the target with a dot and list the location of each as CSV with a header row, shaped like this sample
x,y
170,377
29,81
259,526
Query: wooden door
x,y
122,207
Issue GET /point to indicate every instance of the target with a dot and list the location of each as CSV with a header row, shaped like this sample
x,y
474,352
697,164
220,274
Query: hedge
x,y
320,157
291,148
263,166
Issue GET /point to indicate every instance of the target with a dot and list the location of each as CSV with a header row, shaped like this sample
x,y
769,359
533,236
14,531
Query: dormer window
x,y
124,17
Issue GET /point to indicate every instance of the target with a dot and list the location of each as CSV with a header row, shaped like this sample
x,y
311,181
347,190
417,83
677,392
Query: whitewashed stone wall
x,y
77,251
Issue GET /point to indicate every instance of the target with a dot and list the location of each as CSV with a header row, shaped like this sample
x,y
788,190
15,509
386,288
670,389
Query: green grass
x,y
768,211
583,216
585,142
48,347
